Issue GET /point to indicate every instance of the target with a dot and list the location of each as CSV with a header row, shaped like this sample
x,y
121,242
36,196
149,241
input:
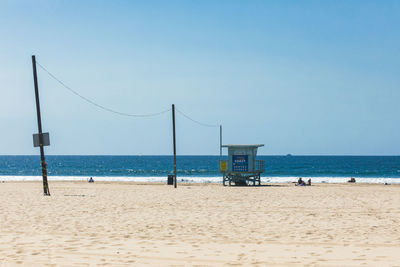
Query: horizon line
x,y
217,155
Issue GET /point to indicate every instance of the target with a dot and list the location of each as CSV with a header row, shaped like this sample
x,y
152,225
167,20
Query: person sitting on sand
x,y
352,180
91,180
309,181
300,182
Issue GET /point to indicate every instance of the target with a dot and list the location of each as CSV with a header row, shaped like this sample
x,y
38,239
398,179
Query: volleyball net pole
x,y
174,142
39,140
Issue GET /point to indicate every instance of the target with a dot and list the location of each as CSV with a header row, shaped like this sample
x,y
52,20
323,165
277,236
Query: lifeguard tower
x,y
242,167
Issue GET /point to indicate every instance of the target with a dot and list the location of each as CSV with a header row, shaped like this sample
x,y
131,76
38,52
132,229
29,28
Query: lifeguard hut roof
x,y
257,145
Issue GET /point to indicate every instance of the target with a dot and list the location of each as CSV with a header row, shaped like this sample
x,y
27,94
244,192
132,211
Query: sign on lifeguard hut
x,y
242,167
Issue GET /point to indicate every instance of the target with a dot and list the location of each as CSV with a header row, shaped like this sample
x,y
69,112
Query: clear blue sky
x,y
302,77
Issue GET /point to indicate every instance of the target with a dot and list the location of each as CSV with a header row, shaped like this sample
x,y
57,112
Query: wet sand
x,y
124,224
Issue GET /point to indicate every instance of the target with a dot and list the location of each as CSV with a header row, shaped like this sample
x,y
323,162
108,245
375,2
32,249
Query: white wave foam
x,y
198,179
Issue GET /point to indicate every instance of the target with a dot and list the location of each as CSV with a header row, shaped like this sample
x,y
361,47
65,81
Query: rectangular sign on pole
x,y
223,165
45,139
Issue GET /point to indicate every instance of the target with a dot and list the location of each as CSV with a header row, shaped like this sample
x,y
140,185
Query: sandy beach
x,y
126,224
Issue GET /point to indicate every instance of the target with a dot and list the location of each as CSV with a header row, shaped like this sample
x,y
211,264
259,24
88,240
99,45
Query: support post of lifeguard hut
x,y
242,167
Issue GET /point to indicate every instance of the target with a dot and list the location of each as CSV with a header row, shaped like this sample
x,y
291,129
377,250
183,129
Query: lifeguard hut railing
x,y
260,165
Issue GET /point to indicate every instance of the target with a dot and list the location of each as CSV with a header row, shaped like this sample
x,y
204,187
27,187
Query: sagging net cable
x,y
98,105
196,121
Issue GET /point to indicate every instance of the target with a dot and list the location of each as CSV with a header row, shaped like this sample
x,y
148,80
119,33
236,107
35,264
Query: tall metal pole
x,y
220,144
173,132
39,120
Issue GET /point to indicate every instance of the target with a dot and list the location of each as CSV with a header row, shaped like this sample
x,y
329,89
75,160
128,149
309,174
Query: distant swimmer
x,y
91,180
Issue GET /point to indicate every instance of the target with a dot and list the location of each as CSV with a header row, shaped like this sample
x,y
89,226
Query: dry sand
x,y
125,224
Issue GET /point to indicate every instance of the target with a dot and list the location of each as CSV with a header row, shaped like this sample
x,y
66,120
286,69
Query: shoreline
x,y
188,184
204,180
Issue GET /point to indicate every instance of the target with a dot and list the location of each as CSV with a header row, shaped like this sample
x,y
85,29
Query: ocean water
x,y
201,169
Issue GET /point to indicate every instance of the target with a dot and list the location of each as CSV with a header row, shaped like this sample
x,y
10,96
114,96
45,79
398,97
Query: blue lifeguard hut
x,y
242,167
